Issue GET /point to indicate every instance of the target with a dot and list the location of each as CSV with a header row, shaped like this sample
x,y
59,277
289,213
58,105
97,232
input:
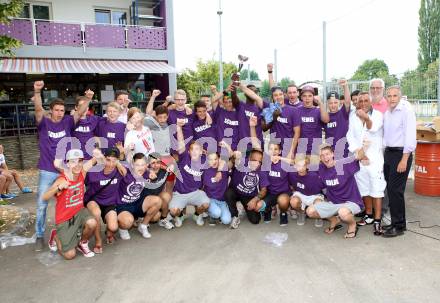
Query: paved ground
x,y
216,264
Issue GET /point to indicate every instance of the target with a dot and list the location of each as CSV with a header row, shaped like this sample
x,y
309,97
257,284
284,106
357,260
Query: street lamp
x,y
219,13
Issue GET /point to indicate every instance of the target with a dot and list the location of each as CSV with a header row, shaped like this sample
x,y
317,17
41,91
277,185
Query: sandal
x,y
97,249
110,239
377,228
351,234
329,230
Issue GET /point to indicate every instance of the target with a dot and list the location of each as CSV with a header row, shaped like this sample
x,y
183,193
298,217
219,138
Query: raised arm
x,y
180,138
250,93
325,118
39,110
296,133
347,97
215,96
256,144
270,75
82,109
121,168
149,110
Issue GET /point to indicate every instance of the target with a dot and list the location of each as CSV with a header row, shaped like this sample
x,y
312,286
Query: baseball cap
x,y
307,88
112,152
332,94
154,155
74,154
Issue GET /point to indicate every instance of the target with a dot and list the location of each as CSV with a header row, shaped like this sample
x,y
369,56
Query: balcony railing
x,y
75,34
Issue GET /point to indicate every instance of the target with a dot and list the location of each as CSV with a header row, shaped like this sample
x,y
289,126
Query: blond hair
x,y
180,92
115,105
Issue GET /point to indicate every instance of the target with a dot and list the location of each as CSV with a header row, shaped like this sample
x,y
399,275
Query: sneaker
x,y
319,223
377,228
284,219
212,221
241,210
12,195
199,219
52,243
83,247
366,220
26,190
301,219
293,214
178,221
165,223
235,222
143,229
7,196
267,216
205,215
124,234
39,244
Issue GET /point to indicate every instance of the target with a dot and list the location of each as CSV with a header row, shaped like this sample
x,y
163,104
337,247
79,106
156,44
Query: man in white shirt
x,y
366,128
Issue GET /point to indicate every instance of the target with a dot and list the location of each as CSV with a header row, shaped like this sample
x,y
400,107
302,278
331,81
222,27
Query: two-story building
x,y
104,45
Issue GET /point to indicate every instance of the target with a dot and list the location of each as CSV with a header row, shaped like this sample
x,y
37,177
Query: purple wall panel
x,y
146,38
101,35
51,33
18,29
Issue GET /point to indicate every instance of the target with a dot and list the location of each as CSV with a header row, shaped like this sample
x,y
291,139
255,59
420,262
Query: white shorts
x,y
307,200
329,209
196,198
371,181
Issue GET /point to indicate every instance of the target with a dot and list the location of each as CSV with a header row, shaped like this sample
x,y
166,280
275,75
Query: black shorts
x,y
272,199
105,209
134,208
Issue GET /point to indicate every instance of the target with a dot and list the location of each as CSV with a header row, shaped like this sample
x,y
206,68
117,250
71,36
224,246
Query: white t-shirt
x,y
2,159
143,140
358,132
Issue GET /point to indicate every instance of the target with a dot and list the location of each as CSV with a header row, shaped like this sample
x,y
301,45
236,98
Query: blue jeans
x,y
46,179
219,209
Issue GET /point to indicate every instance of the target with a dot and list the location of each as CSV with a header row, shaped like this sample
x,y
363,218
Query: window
x,y
102,16
36,11
119,17
110,16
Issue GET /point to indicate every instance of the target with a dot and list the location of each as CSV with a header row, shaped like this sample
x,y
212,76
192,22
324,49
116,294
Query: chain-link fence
x,y
419,90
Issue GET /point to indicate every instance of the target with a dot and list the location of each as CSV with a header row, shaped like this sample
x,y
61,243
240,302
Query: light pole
x,y
324,59
220,63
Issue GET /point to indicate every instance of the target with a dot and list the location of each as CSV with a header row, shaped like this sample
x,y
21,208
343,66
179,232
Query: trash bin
x,y
427,169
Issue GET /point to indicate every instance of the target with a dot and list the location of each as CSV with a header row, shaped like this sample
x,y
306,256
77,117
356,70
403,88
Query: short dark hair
x,y
138,156
205,95
161,109
79,99
56,101
255,151
355,93
199,104
120,92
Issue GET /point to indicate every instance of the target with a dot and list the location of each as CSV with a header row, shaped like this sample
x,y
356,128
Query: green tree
x,y
9,10
417,84
429,31
265,89
374,69
284,82
197,82
254,75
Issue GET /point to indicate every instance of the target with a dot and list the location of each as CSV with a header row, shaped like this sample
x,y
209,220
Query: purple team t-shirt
x,y
337,128
204,130
278,179
130,188
84,131
113,132
341,188
248,183
244,112
308,185
282,128
97,180
227,126
190,178
311,127
187,129
50,134
213,189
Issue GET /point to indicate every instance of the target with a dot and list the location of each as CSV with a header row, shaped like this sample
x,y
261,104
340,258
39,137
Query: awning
x,y
88,66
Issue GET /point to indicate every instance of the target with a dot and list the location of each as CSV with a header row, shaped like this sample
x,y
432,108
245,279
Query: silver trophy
x,y
236,76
